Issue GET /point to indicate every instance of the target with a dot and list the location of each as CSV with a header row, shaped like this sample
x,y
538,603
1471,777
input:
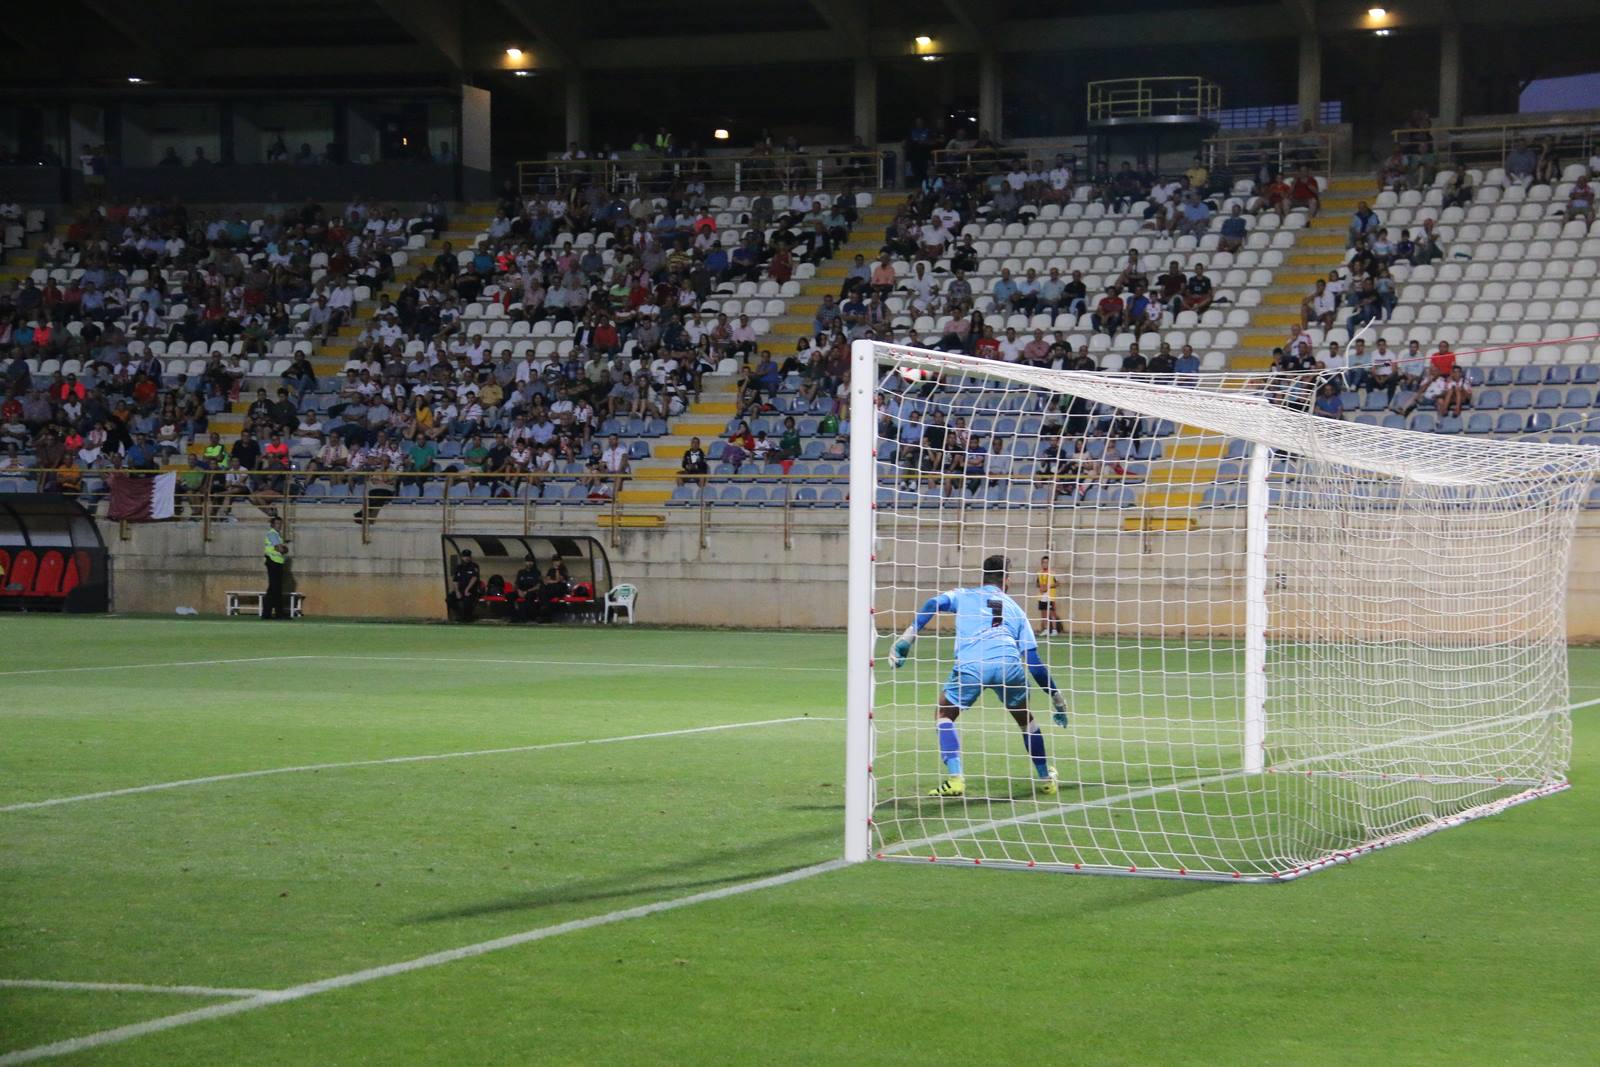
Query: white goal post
x,y
1283,640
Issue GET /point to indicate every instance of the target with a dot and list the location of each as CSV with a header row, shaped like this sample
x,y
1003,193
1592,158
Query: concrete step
x,y
1326,258
644,496
1170,498
1283,299
1191,450
1352,183
1284,319
631,522
1298,279
1316,239
1201,474
1249,362
699,428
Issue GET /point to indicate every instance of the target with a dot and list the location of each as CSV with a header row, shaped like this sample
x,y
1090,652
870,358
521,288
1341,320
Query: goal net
x,y
1283,640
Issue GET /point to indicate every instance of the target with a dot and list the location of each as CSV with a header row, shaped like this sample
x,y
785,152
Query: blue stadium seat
x,y
1487,400
1571,422
1394,421
1594,497
833,494
1547,398
1424,421
639,450
1501,376
1557,375
1539,422
1579,396
1530,375
1588,374
1449,424
1519,398
1509,422
1376,400
1478,422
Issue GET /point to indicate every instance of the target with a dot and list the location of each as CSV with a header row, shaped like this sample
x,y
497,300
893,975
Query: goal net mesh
x,y
1410,661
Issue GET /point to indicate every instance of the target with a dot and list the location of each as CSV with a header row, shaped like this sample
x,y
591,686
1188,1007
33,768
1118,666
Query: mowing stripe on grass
x,y
145,666
764,667
156,787
120,1034
129,987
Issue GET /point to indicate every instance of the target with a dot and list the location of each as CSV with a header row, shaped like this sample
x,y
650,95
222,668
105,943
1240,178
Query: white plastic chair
x,y
621,599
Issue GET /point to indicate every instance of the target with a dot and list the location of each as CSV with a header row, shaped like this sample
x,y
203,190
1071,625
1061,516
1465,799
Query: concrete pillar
x,y
577,108
1310,77
1450,76
989,93
866,101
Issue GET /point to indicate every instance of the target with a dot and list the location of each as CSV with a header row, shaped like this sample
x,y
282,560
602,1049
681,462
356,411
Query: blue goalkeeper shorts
x,y
968,681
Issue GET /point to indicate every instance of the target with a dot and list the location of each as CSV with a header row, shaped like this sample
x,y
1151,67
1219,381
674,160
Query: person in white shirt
x,y
1011,346
935,238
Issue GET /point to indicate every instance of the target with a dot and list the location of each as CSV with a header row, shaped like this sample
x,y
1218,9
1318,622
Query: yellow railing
x,y
1278,150
660,175
1486,146
1139,98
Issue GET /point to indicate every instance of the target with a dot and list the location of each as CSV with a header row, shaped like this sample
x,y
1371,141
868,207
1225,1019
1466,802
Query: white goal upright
x,y
1284,640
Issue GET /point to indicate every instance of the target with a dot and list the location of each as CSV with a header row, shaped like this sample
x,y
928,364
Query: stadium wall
x,y
745,576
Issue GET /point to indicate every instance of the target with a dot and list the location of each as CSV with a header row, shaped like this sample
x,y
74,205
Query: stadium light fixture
x,y
922,40
1377,14
932,59
719,134
1381,33
135,80
522,73
513,54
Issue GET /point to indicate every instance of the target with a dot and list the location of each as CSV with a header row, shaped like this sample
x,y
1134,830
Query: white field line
x,y
1040,815
129,987
156,787
146,666
120,1034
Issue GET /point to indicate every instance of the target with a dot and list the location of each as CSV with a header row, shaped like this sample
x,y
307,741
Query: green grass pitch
x,y
1476,945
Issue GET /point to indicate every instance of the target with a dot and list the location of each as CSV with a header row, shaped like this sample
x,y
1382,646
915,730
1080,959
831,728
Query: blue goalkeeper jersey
x,y
990,627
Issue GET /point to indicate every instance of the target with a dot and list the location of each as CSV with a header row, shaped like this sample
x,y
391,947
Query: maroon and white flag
x,y
146,499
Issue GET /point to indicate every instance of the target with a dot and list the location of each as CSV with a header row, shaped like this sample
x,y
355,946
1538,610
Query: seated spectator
x,y
1329,403
1197,292
1304,192
1194,216
882,280
1580,202
1364,223
1108,313
1521,162
694,467
1319,307
1233,232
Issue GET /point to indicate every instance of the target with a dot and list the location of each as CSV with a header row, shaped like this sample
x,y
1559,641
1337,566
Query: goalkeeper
x,y
994,644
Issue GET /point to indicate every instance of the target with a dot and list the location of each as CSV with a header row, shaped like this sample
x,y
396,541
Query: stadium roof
x,y
225,43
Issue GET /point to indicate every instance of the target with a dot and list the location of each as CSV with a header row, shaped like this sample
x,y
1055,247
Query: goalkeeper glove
x,y
1059,716
902,648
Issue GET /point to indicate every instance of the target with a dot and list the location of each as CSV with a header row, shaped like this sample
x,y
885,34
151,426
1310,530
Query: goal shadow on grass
x,y
649,880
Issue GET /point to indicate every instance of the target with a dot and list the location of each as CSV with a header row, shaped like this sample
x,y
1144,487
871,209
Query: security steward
x,y
467,586
527,583
276,553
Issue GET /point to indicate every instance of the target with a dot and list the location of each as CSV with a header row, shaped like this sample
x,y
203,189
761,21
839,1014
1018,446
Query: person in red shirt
x,y
1442,361
144,392
1108,313
988,346
276,452
1304,193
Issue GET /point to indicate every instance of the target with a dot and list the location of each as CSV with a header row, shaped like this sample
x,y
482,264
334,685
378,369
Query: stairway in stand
x,y
1172,495
707,418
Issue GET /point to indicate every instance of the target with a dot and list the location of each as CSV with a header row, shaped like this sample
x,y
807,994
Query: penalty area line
x,y
156,787
148,666
130,987
264,999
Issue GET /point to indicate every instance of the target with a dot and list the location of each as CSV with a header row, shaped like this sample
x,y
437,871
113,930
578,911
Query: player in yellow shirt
x,y
1045,583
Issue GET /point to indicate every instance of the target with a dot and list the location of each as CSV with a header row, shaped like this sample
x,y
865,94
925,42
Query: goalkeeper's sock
x,y
1033,738
950,747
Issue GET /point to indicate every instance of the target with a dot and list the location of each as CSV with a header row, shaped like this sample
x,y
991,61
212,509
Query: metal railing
x,y
985,162
371,498
1486,146
660,175
1140,98
1279,151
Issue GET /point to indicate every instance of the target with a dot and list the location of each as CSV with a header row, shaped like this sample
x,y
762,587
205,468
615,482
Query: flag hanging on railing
x,y
142,498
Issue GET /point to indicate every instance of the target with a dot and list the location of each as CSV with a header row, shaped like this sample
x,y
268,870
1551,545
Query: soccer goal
x,y
1284,640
